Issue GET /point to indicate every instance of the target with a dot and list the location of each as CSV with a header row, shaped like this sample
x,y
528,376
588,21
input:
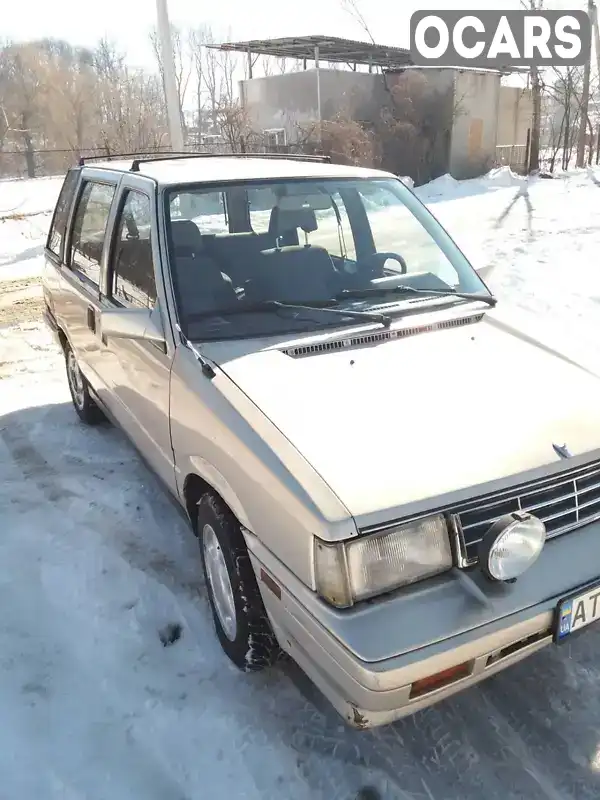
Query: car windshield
x,y
306,243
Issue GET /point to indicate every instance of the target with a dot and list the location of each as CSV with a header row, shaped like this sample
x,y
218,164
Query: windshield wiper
x,y
276,305
358,293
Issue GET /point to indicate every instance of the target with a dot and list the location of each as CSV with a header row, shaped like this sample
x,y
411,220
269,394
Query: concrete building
x,y
465,114
295,100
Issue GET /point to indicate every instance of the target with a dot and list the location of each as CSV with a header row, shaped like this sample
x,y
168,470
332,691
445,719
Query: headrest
x,y
296,273
186,235
283,219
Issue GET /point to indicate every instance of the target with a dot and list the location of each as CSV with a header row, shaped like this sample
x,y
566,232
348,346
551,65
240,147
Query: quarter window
x,y
89,229
61,214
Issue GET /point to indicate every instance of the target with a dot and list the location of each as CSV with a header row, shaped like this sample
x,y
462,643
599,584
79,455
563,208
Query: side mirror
x,y
133,323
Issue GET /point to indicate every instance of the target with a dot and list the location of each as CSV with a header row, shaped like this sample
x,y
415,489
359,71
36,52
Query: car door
x,y
138,372
77,304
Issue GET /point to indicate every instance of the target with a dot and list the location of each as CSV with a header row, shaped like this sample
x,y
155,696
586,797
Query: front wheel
x,y
239,615
85,407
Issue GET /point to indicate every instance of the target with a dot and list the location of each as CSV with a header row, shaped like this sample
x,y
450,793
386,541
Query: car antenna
x,y
206,367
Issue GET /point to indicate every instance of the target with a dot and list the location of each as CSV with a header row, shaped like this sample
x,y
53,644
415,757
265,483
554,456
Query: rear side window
x,y
207,209
333,230
133,281
260,205
58,227
89,229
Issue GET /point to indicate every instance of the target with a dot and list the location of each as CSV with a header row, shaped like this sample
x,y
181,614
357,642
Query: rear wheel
x,y
239,615
85,407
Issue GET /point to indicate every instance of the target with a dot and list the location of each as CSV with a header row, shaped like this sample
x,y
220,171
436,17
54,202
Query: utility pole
x,y
169,79
585,98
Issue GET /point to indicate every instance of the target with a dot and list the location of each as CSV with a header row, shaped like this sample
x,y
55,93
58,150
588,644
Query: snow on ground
x,y
25,214
95,562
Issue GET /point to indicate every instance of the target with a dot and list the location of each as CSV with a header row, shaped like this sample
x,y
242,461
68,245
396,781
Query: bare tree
x,y
342,138
212,78
69,76
218,73
353,9
414,128
197,39
267,65
226,61
58,102
235,127
26,86
7,94
567,105
565,95
536,81
279,65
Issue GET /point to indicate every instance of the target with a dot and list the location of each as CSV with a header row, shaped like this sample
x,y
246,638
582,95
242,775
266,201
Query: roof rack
x,y
111,156
135,166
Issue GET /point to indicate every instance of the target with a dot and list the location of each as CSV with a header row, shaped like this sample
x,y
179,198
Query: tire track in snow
x,y
32,463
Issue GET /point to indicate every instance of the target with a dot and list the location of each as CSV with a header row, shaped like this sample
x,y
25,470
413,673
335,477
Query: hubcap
x,y
75,380
220,584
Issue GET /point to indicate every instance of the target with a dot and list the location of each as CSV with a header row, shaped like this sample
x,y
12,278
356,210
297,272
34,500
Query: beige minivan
x,y
388,482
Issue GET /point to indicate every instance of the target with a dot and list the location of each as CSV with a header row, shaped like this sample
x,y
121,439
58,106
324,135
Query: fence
x,y
513,156
43,162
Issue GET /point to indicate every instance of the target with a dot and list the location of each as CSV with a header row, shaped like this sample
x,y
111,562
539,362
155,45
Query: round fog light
x,y
511,546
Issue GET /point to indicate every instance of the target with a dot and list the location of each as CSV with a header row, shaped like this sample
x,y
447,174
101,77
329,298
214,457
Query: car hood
x,y
415,418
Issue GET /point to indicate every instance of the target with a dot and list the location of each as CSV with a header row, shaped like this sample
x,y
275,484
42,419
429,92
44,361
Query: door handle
x,y
91,319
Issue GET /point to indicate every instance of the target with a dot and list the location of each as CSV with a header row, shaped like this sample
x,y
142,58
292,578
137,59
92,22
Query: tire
x,y
239,616
86,408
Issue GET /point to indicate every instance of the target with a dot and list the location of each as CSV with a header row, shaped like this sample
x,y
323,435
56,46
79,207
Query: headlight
x,y
346,572
511,546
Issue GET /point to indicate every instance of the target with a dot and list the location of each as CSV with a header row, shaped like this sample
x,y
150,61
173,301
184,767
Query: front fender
x,y
197,465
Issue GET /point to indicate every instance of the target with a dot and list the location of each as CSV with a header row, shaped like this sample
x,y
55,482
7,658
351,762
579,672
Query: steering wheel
x,y
375,262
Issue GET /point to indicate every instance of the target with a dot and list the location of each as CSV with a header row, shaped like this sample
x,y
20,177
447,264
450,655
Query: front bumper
x,y
424,630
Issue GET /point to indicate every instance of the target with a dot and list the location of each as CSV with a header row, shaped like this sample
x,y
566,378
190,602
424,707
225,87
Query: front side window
x,y
89,229
396,231
325,246
133,280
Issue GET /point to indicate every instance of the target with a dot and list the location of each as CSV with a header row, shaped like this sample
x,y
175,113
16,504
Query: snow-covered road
x,y
95,563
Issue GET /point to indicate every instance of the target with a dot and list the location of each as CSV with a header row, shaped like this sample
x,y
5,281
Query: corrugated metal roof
x,y
336,50
331,48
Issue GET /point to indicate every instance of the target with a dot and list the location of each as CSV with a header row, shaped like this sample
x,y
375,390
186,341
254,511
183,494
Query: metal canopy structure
x,y
326,48
332,49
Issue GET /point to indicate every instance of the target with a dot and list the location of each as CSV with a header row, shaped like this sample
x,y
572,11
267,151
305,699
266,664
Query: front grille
x,y
563,502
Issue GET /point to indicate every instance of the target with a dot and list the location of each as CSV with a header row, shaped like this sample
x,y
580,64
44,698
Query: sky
x,y
128,22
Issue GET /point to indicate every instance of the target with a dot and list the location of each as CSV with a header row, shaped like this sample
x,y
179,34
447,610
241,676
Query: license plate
x,y
577,612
